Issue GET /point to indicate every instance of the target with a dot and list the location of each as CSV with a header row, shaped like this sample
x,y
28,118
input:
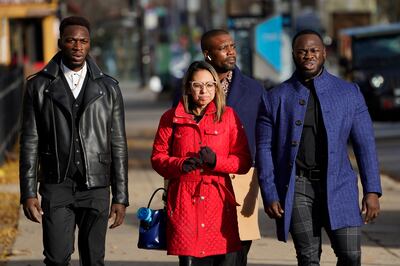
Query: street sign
x,y
269,41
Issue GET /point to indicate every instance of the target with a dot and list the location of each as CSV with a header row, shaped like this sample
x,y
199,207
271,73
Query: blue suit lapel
x,y
235,94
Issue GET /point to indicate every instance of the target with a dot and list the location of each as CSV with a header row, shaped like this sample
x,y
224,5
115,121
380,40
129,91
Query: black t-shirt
x,y
312,149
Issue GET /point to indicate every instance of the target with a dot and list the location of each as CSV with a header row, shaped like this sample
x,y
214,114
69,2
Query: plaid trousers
x,y
310,215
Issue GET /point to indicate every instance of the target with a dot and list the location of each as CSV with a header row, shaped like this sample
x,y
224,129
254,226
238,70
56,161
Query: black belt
x,y
310,174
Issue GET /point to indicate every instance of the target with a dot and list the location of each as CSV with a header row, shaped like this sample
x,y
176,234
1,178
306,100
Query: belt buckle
x,y
314,175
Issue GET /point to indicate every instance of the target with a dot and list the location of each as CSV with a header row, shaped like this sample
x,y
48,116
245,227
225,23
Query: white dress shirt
x,y
75,79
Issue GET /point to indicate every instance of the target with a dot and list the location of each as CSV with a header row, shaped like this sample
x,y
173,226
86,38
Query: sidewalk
x,y
380,245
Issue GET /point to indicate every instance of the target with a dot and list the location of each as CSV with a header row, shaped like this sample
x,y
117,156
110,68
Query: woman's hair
x,y
219,98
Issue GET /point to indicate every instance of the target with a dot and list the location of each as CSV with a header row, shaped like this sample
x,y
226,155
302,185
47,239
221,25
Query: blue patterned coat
x,y
345,116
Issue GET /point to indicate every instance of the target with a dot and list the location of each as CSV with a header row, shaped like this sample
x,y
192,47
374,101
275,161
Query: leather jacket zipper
x,y
81,140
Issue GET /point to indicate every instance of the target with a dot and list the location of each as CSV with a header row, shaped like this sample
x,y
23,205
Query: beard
x,y
224,67
309,73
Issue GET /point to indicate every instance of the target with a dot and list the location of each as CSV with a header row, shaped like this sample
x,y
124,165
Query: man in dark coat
x,y
243,94
73,142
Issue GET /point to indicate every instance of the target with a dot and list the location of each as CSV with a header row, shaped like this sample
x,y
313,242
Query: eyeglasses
x,y
197,86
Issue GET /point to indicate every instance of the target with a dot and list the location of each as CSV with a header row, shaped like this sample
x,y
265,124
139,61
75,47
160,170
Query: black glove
x,y
208,156
191,164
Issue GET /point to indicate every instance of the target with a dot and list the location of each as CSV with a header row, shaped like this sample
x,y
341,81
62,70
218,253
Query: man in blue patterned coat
x,y
305,175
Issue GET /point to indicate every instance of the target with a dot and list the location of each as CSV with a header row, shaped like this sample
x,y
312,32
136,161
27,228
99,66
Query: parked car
x,y
370,56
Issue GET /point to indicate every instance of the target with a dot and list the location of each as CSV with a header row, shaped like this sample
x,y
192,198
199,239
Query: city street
x,y
388,147
147,46
381,244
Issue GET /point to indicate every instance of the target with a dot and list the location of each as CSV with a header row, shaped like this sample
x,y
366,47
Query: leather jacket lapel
x,y
92,91
93,88
58,93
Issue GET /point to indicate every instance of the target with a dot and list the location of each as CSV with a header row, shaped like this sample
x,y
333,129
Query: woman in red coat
x,y
198,143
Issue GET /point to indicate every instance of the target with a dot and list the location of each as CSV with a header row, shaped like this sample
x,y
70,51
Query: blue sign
x,y
269,41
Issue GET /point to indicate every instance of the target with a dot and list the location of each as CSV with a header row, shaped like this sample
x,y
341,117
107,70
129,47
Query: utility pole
x,y
136,7
294,9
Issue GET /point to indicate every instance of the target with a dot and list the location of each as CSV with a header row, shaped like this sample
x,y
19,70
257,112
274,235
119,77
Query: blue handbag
x,y
152,227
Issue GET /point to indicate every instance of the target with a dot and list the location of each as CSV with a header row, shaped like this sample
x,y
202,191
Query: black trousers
x,y
309,216
217,260
238,258
66,206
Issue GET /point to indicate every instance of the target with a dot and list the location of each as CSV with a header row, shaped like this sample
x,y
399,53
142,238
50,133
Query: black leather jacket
x,y
46,132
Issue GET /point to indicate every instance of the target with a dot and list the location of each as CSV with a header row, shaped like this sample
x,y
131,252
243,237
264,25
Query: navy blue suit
x,y
244,97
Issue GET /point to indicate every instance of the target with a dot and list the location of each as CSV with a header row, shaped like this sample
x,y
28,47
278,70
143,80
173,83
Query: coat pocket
x,y
100,165
214,132
217,139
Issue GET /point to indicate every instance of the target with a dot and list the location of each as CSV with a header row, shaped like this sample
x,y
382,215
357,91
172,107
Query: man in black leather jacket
x,y
73,143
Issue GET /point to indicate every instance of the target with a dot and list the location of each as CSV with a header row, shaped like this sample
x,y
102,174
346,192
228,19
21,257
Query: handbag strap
x,y
154,193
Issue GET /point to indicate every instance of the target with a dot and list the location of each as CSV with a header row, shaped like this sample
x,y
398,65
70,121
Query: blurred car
x,y
370,56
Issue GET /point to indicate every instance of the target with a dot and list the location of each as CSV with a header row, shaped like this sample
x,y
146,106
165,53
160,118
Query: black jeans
x,y
309,215
66,207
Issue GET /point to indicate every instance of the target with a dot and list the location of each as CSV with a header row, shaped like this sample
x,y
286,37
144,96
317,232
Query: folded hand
x,y
190,164
208,156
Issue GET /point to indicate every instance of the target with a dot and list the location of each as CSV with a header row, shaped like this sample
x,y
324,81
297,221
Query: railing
x,y
11,89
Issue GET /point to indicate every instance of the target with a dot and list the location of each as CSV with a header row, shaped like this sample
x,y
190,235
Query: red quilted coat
x,y
201,204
